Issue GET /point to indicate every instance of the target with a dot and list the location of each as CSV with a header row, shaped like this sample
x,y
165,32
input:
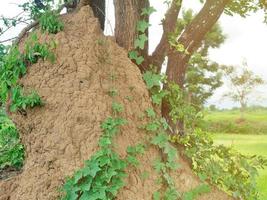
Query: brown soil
x,y
61,135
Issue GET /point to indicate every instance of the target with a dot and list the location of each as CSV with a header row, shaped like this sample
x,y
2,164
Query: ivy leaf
x,y
158,166
132,160
157,98
142,26
133,55
148,11
150,113
141,41
152,79
85,196
139,60
152,126
160,140
156,195
171,194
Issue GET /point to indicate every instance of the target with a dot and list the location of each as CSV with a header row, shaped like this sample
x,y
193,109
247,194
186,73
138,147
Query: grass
x,y
247,135
252,122
249,145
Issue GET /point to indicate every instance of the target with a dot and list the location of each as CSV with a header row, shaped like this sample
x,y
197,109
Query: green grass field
x,y
253,122
248,136
249,145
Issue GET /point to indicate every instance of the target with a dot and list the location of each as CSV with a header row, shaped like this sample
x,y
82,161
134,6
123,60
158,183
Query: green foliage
x,y
148,11
142,26
21,102
203,76
50,22
242,82
229,122
133,152
180,109
194,193
142,38
35,50
117,108
13,66
102,176
11,151
160,139
222,166
33,11
153,82
133,55
152,79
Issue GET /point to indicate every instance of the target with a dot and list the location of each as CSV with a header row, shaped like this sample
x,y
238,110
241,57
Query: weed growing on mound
x,y
49,22
222,166
13,65
21,101
11,151
35,50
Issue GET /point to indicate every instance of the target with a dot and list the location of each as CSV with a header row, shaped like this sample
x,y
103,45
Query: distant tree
x,y
242,82
212,107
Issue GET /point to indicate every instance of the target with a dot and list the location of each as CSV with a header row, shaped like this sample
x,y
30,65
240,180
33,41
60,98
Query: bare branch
x,y
7,40
32,25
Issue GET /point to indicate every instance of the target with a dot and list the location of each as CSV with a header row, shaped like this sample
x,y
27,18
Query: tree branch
x,y
34,24
169,24
191,38
7,40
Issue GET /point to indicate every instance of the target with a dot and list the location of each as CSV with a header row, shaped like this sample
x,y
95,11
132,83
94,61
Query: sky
x,y
246,39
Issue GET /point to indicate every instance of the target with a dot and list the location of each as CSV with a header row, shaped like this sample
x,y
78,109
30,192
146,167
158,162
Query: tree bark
x,y
191,39
127,14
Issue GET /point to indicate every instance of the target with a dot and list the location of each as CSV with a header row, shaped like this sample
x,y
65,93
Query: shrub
x,y
222,166
11,151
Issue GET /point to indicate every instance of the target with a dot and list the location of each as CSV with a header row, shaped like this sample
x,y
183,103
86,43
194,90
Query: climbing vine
x,y
142,38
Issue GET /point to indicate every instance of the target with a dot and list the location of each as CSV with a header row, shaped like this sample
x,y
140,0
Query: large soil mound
x,y
61,135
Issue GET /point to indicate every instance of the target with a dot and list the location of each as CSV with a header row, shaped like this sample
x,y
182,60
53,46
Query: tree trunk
x,y
127,14
191,39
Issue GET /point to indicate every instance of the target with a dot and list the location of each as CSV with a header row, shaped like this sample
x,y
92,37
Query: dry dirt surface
x,y
64,132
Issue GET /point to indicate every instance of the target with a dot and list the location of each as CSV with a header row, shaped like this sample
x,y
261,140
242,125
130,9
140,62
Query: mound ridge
x,y
59,136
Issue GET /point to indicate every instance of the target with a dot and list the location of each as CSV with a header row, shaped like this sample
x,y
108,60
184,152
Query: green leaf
x,y
85,196
142,26
151,113
152,79
160,140
148,11
134,56
140,41
156,195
